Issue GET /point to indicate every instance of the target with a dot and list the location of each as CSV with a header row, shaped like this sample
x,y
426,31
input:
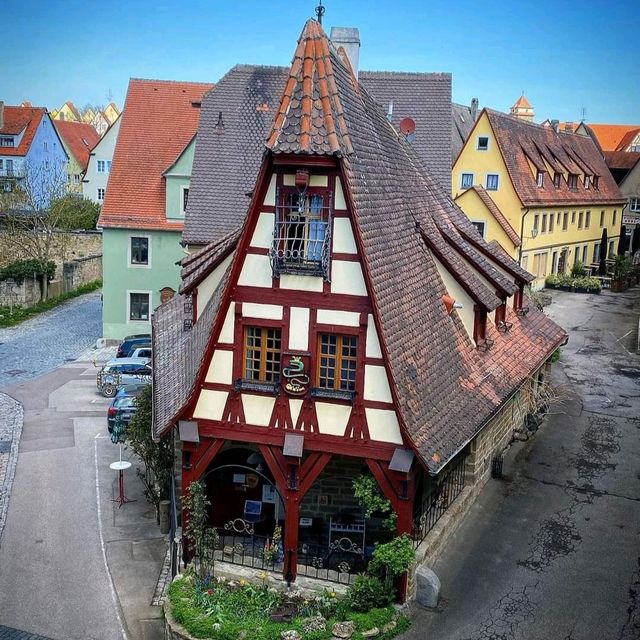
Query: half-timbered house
x,y
356,322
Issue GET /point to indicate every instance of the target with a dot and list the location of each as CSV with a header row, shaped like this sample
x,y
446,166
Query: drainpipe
x,y
522,237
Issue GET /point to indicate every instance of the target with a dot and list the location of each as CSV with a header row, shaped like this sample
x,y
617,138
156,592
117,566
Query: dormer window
x,y
302,234
595,182
573,181
587,181
479,325
556,180
6,141
540,178
483,143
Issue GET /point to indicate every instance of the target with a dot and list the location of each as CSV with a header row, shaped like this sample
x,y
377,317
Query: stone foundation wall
x,y
81,271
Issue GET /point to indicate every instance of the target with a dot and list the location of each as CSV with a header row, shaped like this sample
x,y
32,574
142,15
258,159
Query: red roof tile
x,y
522,103
79,137
158,121
611,136
18,119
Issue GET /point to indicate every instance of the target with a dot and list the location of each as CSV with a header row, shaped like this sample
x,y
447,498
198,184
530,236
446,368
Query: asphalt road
x,y
552,552
50,339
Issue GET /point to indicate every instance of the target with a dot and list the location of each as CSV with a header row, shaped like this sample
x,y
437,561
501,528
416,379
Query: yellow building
x,y
554,189
67,112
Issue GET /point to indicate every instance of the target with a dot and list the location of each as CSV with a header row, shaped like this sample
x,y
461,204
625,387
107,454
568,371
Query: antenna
x,y
584,114
319,12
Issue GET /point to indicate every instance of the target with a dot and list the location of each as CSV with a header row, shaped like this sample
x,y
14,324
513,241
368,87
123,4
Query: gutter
x,y
522,238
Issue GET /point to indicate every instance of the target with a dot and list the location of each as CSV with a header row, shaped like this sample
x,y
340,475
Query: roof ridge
x,y
161,81
408,74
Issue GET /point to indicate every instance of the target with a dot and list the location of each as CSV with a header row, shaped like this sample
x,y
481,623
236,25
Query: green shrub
x,y
577,270
622,267
21,269
368,592
551,279
565,280
555,356
393,558
367,491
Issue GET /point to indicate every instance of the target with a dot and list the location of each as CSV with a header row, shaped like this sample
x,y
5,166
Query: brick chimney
x,y
474,109
349,39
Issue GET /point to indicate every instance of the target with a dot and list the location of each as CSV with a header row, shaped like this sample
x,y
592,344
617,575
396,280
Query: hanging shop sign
x,y
295,377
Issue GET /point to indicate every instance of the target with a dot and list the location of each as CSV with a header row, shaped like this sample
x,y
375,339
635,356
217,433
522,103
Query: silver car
x,y
117,373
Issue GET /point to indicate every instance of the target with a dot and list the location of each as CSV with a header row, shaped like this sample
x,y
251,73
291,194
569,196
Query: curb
x,y
13,412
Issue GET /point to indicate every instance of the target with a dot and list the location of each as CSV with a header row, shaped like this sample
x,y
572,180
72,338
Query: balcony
x,y
302,235
8,173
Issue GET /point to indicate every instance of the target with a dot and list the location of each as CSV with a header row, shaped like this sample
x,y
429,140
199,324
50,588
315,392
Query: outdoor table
x,y
120,466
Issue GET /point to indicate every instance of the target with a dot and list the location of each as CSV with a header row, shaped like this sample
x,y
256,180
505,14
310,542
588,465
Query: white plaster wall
x,y
376,384
220,367
208,286
263,233
265,311
270,196
295,404
340,202
210,405
373,343
301,283
332,418
299,329
343,238
226,333
347,277
257,409
383,425
455,290
256,271
346,318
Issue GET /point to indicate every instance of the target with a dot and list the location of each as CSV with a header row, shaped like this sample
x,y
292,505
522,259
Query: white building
x,y
94,185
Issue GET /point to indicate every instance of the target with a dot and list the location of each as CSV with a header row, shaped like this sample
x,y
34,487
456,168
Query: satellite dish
x,y
407,126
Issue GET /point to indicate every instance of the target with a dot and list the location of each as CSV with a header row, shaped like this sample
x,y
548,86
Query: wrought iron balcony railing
x,y
302,235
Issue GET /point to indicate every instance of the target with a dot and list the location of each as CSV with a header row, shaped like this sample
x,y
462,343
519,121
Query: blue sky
x,y
564,55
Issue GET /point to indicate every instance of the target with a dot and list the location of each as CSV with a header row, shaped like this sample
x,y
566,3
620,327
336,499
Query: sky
x,y
565,56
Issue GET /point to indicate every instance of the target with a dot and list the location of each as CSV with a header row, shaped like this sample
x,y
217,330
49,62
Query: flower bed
x,y
566,282
235,610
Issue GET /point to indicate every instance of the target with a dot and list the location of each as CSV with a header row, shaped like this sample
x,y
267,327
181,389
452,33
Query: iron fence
x,y
438,499
237,543
339,562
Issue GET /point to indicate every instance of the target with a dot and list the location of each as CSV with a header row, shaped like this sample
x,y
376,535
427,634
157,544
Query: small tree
x,y
157,456
73,212
201,536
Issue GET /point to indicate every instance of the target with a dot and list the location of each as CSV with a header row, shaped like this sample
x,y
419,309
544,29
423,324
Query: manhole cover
x,y
5,446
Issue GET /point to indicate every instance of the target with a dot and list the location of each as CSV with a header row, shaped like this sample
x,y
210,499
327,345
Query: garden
x,y
216,607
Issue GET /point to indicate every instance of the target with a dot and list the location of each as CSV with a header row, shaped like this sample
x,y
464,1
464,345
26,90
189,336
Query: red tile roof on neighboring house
x,y
158,120
522,142
18,119
497,214
73,109
612,136
79,137
621,159
404,220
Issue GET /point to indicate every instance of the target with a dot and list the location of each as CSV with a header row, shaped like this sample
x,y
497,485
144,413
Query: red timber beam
x,y
399,489
293,481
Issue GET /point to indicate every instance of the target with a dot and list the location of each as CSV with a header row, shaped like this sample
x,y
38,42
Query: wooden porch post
x,y
293,482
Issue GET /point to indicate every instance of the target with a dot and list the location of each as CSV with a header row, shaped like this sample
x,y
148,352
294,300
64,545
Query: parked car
x,y
120,372
122,408
132,342
141,352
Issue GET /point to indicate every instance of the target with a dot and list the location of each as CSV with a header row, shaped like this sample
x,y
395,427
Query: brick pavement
x,y
6,633
11,417
49,340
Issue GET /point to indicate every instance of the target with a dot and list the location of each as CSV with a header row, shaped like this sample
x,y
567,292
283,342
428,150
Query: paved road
x,y
15,634
553,552
49,340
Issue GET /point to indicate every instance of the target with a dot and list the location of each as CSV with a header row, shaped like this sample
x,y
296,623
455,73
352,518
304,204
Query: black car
x,y
132,342
123,408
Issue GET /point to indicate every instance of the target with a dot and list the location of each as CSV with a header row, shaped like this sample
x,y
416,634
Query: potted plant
x,y
551,281
593,285
621,270
565,282
580,285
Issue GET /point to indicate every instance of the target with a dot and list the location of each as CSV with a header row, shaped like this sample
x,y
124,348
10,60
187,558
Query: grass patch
x,y
223,610
19,314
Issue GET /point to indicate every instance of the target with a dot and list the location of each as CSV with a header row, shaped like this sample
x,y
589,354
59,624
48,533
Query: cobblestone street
x,y
50,339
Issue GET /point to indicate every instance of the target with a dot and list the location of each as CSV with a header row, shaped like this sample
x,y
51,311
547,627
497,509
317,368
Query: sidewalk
x,y
11,416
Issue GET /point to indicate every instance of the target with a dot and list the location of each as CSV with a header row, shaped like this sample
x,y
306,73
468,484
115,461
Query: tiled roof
x,y
497,214
237,117
79,137
426,99
17,119
611,136
522,103
519,140
621,159
461,126
446,389
310,120
158,121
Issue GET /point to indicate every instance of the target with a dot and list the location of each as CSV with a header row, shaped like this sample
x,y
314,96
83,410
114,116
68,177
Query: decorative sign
x,y
268,494
166,293
295,380
631,219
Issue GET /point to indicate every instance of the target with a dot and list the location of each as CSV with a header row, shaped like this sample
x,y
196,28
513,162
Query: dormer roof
x,y
17,120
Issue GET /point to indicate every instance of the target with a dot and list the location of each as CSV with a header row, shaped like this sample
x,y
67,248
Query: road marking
x,y
114,597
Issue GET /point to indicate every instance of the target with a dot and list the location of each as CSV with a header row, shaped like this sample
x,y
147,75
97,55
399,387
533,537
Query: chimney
x,y
474,109
1,114
349,39
555,125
